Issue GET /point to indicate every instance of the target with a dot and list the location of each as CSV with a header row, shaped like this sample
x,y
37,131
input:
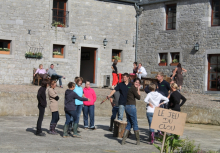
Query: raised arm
x,y
52,93
174,72
136,93
79,98
184,70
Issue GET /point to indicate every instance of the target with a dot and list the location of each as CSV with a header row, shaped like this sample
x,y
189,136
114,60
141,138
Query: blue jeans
x,y
78,111
89,110
131,114
114,112
70,114
121,112
150,118
59,77
55,117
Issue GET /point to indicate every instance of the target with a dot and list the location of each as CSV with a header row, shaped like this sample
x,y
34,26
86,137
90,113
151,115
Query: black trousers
x,y
40,118
55,117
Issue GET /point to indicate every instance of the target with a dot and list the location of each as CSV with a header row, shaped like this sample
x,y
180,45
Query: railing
x,y
60,16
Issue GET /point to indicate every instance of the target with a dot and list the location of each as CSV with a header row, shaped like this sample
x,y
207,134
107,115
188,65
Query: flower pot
x,y
59,26
57,56
114,59
4,52
174,64
162,64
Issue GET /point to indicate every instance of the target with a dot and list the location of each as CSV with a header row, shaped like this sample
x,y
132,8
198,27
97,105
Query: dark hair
x,y
45,82
138,80
126,74
87,81
71,84
179,65
115,61
51,64
76,78
141,64
135,63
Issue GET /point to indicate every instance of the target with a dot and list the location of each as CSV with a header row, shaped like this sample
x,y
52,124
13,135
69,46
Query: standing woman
x,y
70,109
135,69
79,104
89,107
42,103
179,75
175,98
131,112
114,74
53,107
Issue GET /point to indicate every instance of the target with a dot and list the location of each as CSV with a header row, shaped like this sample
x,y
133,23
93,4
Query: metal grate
x,y
61,17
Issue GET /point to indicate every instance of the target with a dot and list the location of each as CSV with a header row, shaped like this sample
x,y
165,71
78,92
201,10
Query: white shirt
x,y
142,70
154,98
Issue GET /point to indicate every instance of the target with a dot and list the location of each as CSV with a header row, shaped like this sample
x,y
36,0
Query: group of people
x,y
122,97
138,70
76,99
160,94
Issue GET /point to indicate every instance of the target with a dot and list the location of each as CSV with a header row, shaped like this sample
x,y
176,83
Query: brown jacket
x,y
53,103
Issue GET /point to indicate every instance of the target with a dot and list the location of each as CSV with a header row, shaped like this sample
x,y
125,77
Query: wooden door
x,y
214,72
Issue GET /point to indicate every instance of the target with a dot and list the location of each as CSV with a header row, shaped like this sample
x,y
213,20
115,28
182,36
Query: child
x,y
70,109
89,107
114,102
153,99
71,119
53,107
42,103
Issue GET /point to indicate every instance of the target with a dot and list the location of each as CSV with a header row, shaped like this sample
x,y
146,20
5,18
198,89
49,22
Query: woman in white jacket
x,y
153,100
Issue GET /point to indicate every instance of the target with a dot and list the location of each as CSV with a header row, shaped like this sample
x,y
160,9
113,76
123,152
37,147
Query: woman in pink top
x,y
89,107
41,72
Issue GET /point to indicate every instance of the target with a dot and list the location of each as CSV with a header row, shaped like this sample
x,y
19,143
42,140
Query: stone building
x,y
26,26
170,29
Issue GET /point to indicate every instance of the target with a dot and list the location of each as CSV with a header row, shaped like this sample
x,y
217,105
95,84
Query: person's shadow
x,y
144,134
33,130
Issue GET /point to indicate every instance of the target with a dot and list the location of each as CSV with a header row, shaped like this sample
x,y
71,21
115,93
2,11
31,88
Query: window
x,y
5,46
215,13
116,54
175,57
60,15
58,51
163,59
171,17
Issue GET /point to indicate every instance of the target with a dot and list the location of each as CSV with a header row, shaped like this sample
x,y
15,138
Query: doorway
x,y
214,72
88,64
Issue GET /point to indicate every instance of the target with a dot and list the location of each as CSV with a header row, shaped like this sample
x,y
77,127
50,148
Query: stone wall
x,y
193,24
95,19
24,103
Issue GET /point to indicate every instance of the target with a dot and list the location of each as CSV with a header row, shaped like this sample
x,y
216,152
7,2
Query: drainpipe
x,y
138,13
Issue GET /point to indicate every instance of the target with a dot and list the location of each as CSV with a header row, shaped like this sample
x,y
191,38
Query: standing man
x,y
53,74
123,88
162,85
141,71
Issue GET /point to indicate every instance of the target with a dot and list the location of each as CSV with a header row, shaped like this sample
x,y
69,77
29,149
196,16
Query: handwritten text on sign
x,y
168,121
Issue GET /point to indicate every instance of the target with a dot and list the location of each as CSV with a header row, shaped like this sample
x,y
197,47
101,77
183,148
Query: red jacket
x,y
89,93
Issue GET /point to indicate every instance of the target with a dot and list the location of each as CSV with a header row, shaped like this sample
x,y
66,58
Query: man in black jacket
x,y
42,104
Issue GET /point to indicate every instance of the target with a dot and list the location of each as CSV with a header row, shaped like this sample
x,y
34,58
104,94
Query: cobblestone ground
x,y
17,135
211,101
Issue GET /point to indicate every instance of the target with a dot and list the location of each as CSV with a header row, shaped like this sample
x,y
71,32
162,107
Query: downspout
x,y
138,13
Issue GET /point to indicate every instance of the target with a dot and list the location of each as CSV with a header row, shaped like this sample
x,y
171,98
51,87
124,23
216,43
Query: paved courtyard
x,y
17,135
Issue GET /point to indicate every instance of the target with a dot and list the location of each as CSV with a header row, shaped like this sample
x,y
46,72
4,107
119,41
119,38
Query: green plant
x,y
190,147
57,23
172,143
57,53
4,49
175,61
117,58
37,55
163,61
